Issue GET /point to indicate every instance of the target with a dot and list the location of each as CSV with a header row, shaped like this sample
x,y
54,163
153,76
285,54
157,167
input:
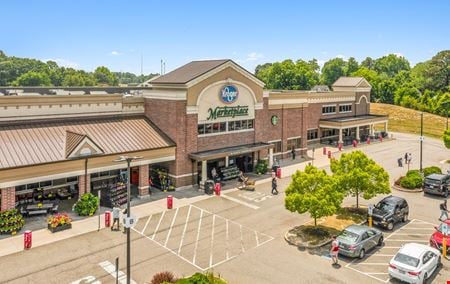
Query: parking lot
x,y
199,237
375,264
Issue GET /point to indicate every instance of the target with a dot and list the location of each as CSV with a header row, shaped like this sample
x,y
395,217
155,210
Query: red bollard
x,y
27,239
278,172
324,150
381,138
217,188
329,154
107,219
354,143
169,202
368,140
340,146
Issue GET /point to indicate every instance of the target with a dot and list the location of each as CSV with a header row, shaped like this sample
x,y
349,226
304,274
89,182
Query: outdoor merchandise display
x,y
11,222
115,195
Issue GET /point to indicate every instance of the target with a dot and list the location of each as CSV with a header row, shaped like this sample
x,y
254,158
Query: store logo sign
x,y
228,94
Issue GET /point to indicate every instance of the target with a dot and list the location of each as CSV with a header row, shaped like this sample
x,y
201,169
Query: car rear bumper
x,y
394,273
347,252
435,191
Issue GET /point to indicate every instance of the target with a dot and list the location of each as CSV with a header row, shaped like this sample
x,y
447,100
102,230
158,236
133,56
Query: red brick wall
x,y
81,189
8,198
143,180
226,140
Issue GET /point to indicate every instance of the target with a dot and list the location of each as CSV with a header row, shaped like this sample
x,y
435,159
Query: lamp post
x,y
421,140
313,149
128,160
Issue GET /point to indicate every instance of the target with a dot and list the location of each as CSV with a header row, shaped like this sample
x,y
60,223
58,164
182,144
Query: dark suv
x,y
389,211
437,184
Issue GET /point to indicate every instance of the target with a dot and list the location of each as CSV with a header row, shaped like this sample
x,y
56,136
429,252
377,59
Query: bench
x,y
37,212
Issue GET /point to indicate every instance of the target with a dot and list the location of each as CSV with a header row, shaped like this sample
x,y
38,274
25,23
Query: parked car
x,y
356,240
438,236
414,263
389,211
437,184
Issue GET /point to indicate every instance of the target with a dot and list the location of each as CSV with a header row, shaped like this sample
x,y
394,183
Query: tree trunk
x,y
315,221
357,199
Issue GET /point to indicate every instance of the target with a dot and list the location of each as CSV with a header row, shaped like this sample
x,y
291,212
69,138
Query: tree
x,y
391,64
32,78
357,174
447,138
104,77
332,70
352,66
439,71
368,63
313,191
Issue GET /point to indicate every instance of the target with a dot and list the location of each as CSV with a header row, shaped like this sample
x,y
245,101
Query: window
x,y
20,188
220,127
72,179
313,134
295,143
45,183
364,236
32,185
329,132
201,129
277,148
345,108
371,233
328,109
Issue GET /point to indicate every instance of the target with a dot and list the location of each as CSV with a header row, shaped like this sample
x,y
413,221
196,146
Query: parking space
x,y
199,237
375,264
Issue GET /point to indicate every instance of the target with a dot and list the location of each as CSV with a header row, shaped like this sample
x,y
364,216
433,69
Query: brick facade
x,y
143,180
84,184
8,198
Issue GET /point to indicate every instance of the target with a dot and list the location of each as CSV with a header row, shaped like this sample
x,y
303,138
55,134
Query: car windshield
x,y
385,206
349,236
406,259
441,229
432,181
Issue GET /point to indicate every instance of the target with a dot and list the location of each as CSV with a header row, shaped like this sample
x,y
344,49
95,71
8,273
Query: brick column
x,y
8,198
143,180
81,184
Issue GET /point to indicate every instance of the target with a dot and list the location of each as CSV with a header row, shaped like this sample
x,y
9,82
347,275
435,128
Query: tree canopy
x,y
313,191
447,138
356,174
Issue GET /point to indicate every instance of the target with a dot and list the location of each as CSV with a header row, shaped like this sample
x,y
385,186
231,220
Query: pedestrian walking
x,y
116,216
274,185
406,158
334,250
444,211
125,211
409,158
293,153
400,162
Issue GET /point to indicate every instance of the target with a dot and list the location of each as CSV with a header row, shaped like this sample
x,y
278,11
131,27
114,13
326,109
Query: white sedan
x,y
414,263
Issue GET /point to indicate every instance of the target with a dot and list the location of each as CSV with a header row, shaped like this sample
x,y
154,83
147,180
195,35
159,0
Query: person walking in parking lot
x,y
444,210
293,153
334,250
274,185
116,216
406,158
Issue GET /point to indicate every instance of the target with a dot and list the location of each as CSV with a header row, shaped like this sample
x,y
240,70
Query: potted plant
x,y
11,221
86,205
59,222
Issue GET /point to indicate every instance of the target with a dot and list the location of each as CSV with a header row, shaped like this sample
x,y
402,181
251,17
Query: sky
x,y
85,34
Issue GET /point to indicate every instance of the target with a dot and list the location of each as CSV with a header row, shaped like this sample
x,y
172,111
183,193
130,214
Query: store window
x,y
313,134
330,132
329,109
221,127
295,143
277,146
345,108
72,179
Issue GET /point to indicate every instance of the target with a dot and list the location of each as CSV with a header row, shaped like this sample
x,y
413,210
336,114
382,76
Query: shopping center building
x,y
203,115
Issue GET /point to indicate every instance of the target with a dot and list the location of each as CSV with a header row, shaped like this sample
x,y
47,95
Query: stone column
x,y
371,130
84,184
143,180
340,136
8,198
227,161
270,158
357,134
204,171
386,126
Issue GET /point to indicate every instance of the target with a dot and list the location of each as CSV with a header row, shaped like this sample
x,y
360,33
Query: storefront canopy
x,y
352,121
230,151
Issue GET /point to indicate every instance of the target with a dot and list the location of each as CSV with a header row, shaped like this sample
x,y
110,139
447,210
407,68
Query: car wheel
x,y
390,226
405,218
362,253
425,278
439,263
380,241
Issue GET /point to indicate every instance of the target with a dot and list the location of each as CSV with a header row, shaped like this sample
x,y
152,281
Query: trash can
x,y
278,172
209,186
27,239
217,188
107,219
169,201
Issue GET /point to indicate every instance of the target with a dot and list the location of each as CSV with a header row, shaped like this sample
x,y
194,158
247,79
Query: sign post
x,y
129,222
98,205
444,227
370,211
117,270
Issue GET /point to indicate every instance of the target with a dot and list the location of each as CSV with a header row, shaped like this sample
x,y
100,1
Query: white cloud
x,y
115,53
254,56
63,62
398,54
321,63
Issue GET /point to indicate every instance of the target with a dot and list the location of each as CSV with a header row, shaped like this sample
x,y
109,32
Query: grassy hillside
x,y
408,120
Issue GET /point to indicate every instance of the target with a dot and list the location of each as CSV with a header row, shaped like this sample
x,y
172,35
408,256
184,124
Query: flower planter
x,y
59,228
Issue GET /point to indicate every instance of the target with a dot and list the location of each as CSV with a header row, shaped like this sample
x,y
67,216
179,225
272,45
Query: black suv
x,y
390,210
437,184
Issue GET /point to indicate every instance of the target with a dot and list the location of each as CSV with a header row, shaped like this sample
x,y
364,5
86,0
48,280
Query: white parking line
x,y
379,254
212,241
240,201
198,236
227,239
414,234
146,224
409,241
184,229
171,226
159,224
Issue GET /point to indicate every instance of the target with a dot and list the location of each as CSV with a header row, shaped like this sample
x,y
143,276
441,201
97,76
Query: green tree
x,y
391,64
332,70
351,67
356,174
313,191
32,78
447,138
439,71
368,63
104,77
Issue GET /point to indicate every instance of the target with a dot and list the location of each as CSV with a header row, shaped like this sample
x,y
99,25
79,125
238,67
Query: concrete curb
x,y
399,188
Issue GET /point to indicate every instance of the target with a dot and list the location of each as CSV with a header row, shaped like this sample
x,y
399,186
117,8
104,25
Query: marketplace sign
x,y
226,111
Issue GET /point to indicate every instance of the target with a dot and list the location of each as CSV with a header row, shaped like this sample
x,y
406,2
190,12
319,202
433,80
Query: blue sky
x,y
86,34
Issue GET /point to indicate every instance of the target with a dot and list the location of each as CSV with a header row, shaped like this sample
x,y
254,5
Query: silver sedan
x,y
356,240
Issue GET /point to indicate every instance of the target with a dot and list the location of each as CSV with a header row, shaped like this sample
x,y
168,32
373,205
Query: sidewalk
x,y
180,198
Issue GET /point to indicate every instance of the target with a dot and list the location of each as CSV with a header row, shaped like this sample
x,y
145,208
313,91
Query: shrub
x,y
261,167
11,221
412,180
163,277
86,205
200,278
431,170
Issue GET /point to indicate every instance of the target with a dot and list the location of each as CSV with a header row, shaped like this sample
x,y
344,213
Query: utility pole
x,y
421,140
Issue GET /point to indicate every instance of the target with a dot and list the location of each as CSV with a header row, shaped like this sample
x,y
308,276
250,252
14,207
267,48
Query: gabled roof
x,y
72,141
76,141
188,72
351,82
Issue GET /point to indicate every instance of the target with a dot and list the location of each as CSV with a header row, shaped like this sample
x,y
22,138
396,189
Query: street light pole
x,y
128,160
421,139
